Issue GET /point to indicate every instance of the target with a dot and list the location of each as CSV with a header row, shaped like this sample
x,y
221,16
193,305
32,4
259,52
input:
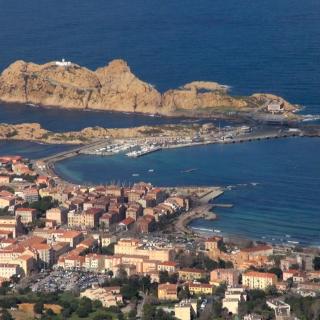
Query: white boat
x,y
135,174
150,170
202,229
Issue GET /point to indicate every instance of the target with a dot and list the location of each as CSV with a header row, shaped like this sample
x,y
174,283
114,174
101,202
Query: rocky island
x,y
114,87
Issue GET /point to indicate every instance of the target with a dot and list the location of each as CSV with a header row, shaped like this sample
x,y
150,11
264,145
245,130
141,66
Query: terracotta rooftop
x,y
127,221
192,270
257,248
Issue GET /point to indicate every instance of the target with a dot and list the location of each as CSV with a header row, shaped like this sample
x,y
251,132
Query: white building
x,y
275,107
7,270
232,298
63,63
281,309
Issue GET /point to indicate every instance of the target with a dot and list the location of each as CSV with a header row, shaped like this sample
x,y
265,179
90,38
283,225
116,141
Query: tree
x,y
316,263
5,315
103,316
184,293
272,291
216,309
44,204
129,291
162,315
163,276
66,313
122,274
148,312
86,304
277,272
50,312
84,308
209,264
109,250
256,294
82,312
220,290
174,278
132,314
5,287
38,307
96,304
145,283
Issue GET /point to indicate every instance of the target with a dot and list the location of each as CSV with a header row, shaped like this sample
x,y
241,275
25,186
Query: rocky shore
x,y
34,132
114,87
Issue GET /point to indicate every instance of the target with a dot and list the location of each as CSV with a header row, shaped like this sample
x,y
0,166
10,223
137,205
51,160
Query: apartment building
x,y
27,215
258,280
229,276
167,291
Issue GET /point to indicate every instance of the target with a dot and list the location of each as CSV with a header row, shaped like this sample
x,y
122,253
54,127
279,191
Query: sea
x,y
252,46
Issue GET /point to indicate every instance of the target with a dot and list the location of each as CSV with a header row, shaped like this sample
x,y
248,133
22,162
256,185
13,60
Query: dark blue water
x,y
276,191
67,120
29,149
254,46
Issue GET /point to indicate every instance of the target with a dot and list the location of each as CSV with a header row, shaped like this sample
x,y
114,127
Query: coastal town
x,y
127,252
160,160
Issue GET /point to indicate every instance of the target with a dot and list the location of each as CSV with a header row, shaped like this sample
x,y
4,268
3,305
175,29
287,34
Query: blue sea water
x,y
275,191
254,46
30,150
58,120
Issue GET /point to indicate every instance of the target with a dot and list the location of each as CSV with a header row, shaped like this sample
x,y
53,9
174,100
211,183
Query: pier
x,y
137,147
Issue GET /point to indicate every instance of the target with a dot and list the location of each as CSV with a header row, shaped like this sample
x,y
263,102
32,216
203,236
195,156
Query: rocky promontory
x,y
115,88
34,132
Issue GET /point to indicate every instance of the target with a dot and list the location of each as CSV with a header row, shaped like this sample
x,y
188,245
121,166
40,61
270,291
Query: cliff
x,y
114,87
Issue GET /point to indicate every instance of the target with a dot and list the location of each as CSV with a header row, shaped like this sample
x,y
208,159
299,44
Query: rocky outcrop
x,y
113,87
34,132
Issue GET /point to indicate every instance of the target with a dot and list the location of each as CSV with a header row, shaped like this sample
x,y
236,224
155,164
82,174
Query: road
x,y
140,305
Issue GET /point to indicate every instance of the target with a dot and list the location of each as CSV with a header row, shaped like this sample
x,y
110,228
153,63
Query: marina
x,y
143,151
258,170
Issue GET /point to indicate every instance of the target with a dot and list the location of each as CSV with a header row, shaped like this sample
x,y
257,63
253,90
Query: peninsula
x,y
175,133
114,87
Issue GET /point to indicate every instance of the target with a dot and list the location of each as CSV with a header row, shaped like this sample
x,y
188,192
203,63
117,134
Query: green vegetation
x,y
304,308
44,204
38,307
151,131
5,315
256,303
11,133
316,263
73,307
4,211
151,312
7,188
164,277
201,261
109,250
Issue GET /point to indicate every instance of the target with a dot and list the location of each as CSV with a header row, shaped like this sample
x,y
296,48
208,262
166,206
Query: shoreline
x,y
95,89
201,210
196,212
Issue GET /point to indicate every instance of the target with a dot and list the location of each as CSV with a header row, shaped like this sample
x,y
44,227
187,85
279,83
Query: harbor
x,y
140,146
